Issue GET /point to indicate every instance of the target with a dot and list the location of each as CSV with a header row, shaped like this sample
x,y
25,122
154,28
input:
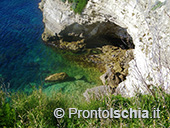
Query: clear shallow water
x,y
24,59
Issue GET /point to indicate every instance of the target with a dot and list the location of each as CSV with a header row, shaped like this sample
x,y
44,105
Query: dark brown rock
x,y
74,46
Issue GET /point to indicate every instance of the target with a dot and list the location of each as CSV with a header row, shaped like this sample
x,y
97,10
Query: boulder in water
x,y
56,77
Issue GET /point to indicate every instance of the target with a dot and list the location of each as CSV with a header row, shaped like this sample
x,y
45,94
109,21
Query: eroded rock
x,y
115,60
74,46
97,92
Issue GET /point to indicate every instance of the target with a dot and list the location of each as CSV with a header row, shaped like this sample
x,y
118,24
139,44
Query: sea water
x,y
25,60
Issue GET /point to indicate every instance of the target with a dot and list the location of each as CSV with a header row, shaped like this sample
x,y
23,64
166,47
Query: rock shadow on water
x,y
68,79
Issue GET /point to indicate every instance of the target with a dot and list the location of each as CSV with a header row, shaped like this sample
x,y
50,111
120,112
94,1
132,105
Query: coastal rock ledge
x,y
146,21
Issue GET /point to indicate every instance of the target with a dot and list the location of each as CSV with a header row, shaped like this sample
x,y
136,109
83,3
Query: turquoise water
x,y
24,59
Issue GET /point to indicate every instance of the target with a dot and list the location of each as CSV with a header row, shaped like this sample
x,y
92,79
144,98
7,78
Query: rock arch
x,y
147,24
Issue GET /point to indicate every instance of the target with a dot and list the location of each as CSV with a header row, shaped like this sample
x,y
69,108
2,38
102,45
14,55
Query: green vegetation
x,y
36,110
7,113
157,5
77,5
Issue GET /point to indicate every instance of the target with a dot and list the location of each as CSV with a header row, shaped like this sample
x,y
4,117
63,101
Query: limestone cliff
x,y
146,21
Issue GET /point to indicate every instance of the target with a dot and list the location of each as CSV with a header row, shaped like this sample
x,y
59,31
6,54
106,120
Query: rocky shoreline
x,y
104,44
120,35
110,59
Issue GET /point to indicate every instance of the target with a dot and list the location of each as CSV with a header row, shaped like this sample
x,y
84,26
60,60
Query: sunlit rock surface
x,y
56,77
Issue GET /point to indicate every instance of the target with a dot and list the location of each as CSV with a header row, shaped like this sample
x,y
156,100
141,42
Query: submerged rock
x,y
78,77
56,77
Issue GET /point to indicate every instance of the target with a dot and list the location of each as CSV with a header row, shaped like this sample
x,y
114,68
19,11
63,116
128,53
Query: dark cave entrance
x,y
109,40
98,35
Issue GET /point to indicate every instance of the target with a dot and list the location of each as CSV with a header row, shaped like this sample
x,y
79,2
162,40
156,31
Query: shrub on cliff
x,y
80,5
77,5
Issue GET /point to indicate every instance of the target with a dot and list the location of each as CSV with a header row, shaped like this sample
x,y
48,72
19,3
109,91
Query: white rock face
x,y
148,23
